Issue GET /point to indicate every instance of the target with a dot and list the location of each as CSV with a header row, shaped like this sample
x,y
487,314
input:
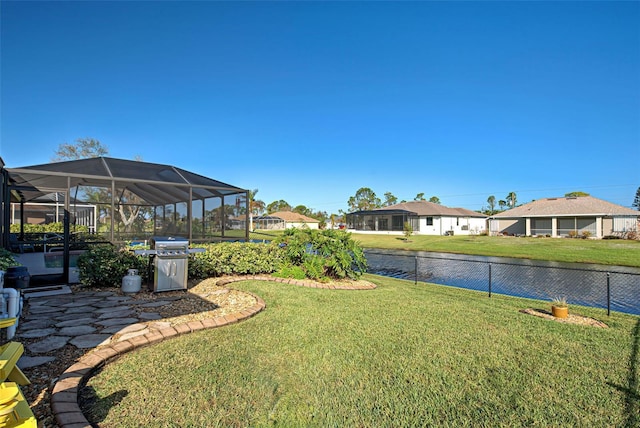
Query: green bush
x,y
55,227
235,258
7,259
323,254
105,265
290,271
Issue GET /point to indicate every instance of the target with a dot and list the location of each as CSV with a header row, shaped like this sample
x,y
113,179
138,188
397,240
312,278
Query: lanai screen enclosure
x,y
134,200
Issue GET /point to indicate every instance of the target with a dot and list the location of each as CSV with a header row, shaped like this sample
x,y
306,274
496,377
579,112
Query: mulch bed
x,y
571,319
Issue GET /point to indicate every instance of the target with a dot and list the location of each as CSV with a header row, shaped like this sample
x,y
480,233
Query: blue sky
x,y
310,101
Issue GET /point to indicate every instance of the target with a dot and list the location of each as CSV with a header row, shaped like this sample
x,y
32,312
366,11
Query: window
x,y
429,221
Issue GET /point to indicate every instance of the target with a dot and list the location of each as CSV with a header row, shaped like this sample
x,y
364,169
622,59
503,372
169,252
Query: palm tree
x,y
512,199
253,206
491,200
502,204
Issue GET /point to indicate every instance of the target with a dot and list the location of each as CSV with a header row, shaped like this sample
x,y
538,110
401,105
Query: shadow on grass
x,y
632,398
99,407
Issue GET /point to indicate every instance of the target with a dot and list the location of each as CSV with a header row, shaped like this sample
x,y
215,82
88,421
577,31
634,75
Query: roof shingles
x,y
567,206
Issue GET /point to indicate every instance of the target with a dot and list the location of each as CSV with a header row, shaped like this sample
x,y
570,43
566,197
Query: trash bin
x,y
17,277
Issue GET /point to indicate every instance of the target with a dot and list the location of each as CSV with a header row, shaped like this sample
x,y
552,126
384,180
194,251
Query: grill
x,y
170,256
170,264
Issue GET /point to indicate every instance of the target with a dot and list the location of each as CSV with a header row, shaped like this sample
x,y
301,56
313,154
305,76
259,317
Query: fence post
x,y
489,279
416,283
608,294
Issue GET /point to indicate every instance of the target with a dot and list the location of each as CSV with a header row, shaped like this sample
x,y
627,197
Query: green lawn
x,y
400,355
608,252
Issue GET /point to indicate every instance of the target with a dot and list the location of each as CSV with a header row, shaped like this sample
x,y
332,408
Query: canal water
x,y
600,286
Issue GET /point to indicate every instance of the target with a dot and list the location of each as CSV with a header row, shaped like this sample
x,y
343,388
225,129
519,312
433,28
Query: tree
x,y
491,200
407,230
512,200
276,206
389,199
84,148
435,200
129,206
575,194
301,209
636,200
419,197
256,207
502,204
364,199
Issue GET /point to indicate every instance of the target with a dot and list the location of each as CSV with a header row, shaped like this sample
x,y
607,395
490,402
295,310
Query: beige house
x,y
296,220
566,216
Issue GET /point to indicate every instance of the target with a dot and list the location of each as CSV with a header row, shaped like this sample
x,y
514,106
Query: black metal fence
x,y
608,289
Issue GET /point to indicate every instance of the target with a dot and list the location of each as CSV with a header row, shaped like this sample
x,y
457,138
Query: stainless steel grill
x,y
170,258
170,264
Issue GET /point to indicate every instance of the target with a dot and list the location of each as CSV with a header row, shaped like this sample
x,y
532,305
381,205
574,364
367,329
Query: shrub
x,y
290,271
55,227
586,234
105,265
7,259
323,253
237,258
572,234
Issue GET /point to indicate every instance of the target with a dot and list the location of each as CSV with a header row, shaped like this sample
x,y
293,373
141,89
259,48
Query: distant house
x,y
566,216
292,219
426,218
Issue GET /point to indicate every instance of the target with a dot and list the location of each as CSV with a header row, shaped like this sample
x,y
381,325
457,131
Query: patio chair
x,y
18,246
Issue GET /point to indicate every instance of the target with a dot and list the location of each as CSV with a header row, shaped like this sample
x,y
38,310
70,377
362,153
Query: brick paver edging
x,y
64,397
361,285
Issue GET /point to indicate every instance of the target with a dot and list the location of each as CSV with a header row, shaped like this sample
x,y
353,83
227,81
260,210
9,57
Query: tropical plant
x,y
323,254
559,302
512,199
419,197
435,200
7,259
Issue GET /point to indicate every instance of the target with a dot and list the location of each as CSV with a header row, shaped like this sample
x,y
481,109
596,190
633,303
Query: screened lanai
x,y
133,200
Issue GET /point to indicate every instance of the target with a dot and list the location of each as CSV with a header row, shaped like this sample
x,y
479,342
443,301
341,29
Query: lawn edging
x,y
358,285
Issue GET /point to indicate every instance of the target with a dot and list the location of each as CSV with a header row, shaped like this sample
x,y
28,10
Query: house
x,y
292,219
566,216
426,218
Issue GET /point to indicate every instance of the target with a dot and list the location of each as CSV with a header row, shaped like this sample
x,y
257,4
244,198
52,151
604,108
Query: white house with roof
x,y
566,216
426,218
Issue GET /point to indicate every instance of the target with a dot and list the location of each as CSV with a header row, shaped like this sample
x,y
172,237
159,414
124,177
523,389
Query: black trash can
x,y
17,277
